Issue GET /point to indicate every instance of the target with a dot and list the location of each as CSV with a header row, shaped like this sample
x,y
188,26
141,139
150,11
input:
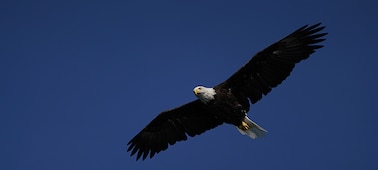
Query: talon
x,y
243,126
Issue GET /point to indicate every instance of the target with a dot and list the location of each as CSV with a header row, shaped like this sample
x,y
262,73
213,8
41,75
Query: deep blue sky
x,y
80,78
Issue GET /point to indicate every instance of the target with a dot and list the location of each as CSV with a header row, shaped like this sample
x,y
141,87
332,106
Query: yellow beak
x,y
196,91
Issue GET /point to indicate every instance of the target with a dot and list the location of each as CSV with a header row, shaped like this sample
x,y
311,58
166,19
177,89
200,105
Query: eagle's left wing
x,y
172,126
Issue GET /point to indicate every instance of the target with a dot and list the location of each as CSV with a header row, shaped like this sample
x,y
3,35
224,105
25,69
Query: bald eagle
x,y
229,101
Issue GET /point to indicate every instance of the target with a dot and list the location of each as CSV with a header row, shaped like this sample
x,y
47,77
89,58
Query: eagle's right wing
x,y
271,66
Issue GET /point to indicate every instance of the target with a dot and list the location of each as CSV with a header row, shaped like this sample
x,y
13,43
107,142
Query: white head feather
x,y
205,94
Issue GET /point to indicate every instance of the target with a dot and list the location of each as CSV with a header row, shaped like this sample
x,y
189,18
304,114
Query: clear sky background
x,y
80,78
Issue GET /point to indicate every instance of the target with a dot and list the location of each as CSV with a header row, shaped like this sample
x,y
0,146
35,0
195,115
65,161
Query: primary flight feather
x,y
229,101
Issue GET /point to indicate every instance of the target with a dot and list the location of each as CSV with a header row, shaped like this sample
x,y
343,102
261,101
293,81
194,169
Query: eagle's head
x,y
205,94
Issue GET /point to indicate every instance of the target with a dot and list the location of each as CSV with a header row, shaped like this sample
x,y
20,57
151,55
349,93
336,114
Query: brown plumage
x,y
230,102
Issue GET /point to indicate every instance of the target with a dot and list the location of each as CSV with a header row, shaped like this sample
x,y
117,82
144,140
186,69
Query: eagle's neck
x,y
206,94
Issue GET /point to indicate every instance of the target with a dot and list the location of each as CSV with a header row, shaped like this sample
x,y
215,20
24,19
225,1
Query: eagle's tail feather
x,y
252,130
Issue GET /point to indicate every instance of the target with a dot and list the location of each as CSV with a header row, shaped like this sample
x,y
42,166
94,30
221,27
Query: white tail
x,y
254,131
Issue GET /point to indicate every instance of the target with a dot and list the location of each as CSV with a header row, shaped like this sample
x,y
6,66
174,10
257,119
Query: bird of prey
x,y
229,101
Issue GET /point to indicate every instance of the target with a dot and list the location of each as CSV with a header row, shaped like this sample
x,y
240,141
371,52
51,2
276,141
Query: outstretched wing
x,y
270,67
172,126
